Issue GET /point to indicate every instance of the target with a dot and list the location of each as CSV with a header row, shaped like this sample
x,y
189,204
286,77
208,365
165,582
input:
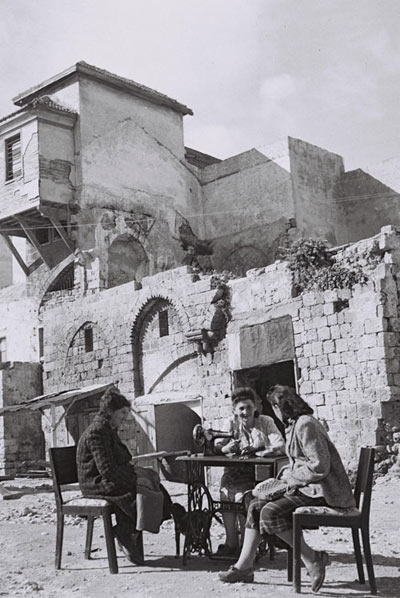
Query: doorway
x,y
262,378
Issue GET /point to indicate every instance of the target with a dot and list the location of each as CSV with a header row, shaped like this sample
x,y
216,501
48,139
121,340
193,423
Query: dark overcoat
x,y
104,468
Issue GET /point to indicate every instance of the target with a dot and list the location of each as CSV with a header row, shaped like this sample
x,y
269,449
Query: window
x,y
163,323
88,340
13,158
41,342
43,236
3,349
49,234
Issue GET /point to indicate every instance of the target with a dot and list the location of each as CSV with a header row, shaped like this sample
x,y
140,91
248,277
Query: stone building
x,y
98,181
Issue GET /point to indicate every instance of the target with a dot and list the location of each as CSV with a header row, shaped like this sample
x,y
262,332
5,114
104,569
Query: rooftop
x,y
40,102
82,69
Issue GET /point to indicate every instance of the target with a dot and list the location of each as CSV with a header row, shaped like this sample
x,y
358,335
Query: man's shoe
x,y
317,571
234,575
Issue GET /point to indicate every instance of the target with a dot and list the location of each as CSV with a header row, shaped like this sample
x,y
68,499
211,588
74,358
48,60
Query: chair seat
x,y
344,511
86,502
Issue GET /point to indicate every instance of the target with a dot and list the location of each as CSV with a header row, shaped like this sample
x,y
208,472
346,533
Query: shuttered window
x,y
13,158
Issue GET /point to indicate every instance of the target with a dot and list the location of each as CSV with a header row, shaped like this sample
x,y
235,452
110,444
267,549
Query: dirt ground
x,y
27,541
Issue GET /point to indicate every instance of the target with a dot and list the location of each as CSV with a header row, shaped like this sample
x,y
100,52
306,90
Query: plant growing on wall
x,y
316,267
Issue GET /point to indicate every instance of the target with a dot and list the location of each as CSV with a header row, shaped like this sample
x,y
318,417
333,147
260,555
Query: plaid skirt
x,y
276,516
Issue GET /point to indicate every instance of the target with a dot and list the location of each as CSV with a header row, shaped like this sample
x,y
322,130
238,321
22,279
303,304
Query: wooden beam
x,y
60,229
15,253
32,239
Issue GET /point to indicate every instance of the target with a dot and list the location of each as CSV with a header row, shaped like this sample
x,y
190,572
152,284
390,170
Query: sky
x,y
253,71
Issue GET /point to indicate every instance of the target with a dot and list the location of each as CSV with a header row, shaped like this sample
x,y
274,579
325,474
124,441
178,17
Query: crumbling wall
x,y
21,437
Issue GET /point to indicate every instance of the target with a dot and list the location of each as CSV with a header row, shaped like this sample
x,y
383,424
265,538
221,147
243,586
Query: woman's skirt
x,y
235,482
276,516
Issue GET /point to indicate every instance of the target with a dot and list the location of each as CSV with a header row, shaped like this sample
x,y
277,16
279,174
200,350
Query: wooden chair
x,y
356,519
64,471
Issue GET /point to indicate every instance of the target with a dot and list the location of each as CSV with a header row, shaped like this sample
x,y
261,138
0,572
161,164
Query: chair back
x,y
363,487
63,469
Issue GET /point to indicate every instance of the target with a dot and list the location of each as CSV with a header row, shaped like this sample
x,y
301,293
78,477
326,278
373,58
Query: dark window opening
x,y
88,340
43,236
163,323
13,158
3,349
41,342
340,305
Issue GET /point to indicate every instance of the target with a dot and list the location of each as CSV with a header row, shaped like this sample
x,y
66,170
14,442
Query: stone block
x,y
373,325
340,371
329,308
323,386
335,332
322,360
316,347
315,375
317,310
328,346
334,358
332,319
312,298
341,345
323,333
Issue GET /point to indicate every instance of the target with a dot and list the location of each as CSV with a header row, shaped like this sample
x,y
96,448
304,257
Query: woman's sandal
x,y
234,575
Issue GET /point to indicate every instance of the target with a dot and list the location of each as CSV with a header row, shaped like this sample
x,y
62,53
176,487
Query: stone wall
x,y
21,437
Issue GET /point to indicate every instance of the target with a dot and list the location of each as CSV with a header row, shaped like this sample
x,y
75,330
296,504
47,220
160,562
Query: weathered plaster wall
x,y
365,205
18,323
134,174
315,174
56,161
6,265
21,437
247,206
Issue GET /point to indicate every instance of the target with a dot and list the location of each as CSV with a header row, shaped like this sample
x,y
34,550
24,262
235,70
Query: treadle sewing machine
x,y
205,438
202,508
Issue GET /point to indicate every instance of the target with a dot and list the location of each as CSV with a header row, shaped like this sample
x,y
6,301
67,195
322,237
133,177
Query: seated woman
x,y
252,433
315,476
105,470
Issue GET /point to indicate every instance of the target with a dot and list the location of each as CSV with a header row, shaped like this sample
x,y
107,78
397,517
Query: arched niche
x,y
127,261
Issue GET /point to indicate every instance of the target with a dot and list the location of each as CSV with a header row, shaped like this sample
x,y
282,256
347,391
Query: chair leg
x,y
296,555
89,536
368,560
358,555
111,554
177,544
59,539
290,564
139,544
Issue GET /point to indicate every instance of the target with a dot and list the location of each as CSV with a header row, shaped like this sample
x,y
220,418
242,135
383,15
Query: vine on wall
x,y
315,267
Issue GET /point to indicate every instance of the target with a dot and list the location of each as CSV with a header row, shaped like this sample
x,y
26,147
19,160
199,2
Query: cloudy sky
x,y
253,71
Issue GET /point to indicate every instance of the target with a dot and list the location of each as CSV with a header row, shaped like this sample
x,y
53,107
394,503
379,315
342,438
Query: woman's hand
x,y
232,448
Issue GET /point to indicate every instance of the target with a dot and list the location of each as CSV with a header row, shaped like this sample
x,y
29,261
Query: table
x,y
202,508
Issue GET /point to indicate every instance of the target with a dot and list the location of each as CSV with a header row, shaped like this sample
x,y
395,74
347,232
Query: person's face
x,y
245,410
119,416
276,409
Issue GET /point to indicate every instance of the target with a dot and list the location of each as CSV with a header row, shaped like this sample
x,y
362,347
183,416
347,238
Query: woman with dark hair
x,y
252,433
315,476
105,470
